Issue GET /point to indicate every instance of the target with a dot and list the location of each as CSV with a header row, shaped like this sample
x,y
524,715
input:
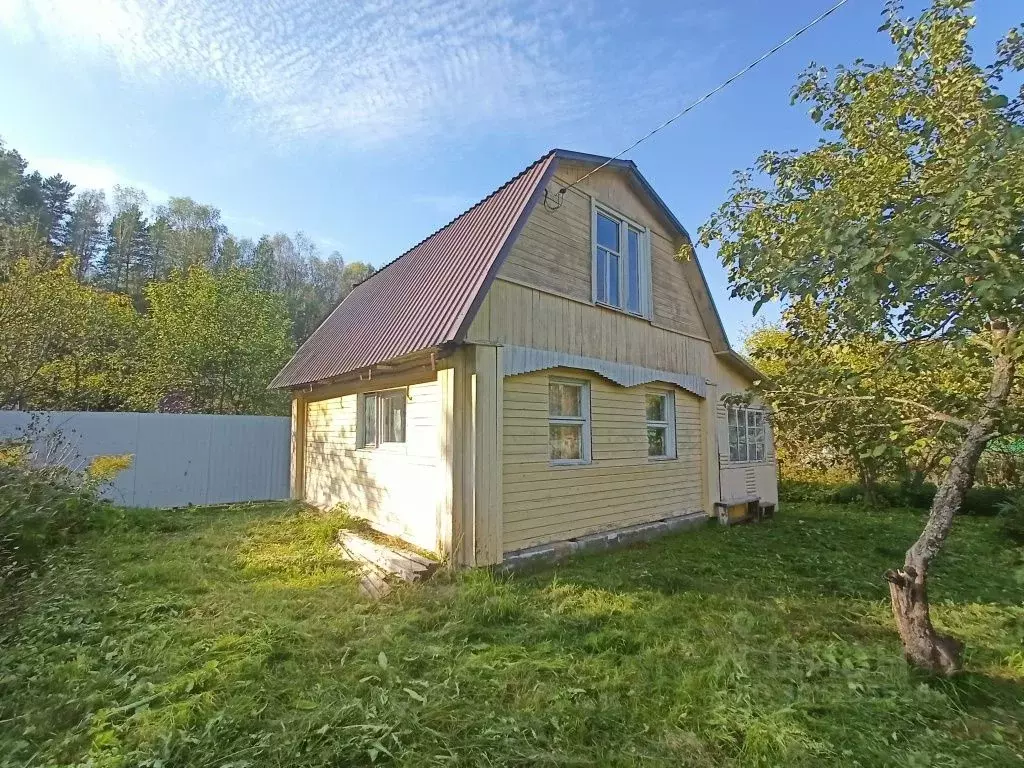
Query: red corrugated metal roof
x,y
426,296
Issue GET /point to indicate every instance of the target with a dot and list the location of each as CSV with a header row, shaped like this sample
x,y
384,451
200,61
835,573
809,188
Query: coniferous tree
x,y
159,236
57,193
85,233
124,266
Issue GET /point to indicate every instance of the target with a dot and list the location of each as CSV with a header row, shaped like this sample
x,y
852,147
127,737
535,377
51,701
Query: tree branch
x,y
932,413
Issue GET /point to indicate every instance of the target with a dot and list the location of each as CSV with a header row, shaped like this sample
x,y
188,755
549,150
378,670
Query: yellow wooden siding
x,y
742,479
621,487
400,488
515,314
553,250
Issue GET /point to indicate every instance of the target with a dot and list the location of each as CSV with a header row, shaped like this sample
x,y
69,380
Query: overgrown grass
x,y
235,637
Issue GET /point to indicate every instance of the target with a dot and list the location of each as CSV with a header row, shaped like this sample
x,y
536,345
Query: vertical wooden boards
x,y
487,467
462,457
710,438
298,447
527,317
447,440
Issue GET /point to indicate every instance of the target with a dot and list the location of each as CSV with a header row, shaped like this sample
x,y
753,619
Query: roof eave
x,y
743,364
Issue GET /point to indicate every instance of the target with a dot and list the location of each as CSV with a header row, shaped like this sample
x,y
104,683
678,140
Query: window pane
x,y
759,454
732,417
566,441
607,232
613,281
656,408
565,400
393,418
370,420
601,275
633,271
657,440
742,453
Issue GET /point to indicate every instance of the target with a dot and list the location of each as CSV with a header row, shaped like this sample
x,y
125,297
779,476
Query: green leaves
x,y
909,216
998,101
214,341
62,344
863,406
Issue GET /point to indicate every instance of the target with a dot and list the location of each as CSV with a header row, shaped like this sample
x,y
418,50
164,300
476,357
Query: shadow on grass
x,y
240,630
809,551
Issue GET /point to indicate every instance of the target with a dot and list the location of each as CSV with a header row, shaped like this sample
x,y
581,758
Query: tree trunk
x,y
922,645
867,481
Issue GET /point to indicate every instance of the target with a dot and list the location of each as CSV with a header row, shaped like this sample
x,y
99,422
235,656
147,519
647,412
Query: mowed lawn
x,y
235,637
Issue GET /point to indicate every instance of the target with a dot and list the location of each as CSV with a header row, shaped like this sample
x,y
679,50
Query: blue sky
x,y
368,124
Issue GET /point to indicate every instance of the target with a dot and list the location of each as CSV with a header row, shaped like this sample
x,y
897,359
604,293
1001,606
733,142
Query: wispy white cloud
x,y
85,175
371,71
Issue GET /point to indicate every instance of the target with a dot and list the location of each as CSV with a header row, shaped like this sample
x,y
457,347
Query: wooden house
x,y
541,369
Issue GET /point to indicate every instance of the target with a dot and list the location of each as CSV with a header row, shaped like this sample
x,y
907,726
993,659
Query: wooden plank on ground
x,y
408,566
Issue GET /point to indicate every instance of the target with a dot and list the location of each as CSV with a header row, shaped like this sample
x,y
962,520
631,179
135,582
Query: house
x,y
539,369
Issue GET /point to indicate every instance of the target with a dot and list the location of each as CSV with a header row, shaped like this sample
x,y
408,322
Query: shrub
x,y
985,501
805,490
42,504
913,495
1011,514
980,501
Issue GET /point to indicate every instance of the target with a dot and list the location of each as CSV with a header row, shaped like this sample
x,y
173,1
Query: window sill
x,y
662,458
621,311
569,462
389,448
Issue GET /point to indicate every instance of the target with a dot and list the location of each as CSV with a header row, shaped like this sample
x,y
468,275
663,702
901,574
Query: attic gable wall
x,y
553,251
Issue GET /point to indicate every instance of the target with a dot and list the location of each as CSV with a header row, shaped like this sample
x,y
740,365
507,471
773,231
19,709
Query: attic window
x,y
621,262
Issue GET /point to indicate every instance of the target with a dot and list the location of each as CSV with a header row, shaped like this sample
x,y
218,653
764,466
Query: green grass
x,y
235,637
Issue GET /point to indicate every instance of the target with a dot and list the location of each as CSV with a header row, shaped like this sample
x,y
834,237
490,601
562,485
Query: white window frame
x,y
377,443
583,420
751,425
644,267
668,424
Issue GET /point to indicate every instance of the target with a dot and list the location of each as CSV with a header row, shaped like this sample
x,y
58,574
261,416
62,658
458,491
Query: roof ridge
x,y
471,208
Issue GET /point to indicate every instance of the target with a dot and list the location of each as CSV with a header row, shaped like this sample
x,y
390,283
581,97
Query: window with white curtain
x,y
661,425
569,421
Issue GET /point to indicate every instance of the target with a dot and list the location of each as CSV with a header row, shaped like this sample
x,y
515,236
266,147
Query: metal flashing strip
x,y
519,360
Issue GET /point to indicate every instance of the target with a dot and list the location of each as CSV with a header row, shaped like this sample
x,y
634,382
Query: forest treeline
x,y
121,304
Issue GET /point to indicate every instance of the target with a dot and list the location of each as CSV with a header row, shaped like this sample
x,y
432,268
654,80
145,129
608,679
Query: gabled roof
x,y
427,297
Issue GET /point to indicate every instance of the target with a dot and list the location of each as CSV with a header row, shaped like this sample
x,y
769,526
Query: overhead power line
x,y
711,93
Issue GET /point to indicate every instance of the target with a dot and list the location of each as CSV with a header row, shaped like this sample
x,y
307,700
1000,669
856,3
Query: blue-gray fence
x,y
178,459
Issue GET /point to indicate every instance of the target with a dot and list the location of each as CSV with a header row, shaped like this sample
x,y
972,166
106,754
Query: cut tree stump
x,y
380,564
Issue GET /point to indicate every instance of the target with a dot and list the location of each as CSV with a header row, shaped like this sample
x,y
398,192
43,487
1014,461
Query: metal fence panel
x,y
179,459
